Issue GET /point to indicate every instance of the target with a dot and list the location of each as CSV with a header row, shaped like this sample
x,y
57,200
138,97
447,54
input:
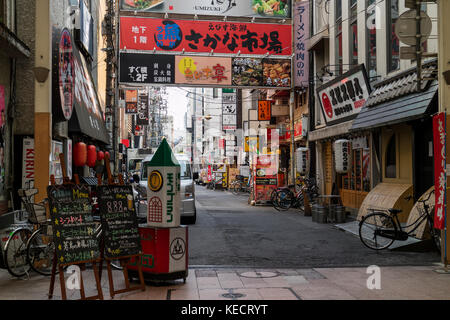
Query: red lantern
x,y
100,155
79,154
107,154
91,155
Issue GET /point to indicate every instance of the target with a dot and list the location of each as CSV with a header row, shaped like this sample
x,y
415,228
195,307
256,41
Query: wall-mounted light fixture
x,y
41,74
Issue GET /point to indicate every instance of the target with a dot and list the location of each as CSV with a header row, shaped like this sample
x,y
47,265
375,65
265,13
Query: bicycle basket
x,y
37,214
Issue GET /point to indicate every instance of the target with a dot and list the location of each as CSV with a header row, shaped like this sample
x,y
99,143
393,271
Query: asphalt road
x,y
229,232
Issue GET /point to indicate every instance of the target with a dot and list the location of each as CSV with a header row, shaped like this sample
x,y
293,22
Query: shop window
x,y
358,178
393,46
391,159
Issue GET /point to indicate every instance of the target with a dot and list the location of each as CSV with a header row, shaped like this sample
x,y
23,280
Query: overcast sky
x,y
177,106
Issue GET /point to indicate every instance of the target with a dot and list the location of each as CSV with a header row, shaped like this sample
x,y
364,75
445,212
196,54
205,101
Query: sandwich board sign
x,y
163,192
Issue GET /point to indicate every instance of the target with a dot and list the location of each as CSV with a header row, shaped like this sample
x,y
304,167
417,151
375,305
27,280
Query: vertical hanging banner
x,y
28,163
301,34
264,110
440,179
131,101
229,109
142,108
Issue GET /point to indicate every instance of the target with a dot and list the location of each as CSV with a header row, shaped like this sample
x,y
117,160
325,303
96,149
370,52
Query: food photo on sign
x,y
247,8
247,72
276,73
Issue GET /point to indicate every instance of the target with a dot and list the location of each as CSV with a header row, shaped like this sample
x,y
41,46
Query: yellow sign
x,y
155,181
251,143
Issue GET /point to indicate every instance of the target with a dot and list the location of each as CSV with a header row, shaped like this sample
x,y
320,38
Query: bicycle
x,y
284,198
378,230
238,186
30,246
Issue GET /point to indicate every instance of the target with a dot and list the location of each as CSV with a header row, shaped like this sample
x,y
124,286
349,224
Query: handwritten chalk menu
x,y
73,223
119,221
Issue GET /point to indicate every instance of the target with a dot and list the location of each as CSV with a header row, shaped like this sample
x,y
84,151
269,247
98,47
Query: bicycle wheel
x,y
236,188
283,200
16,252
373,226
40,253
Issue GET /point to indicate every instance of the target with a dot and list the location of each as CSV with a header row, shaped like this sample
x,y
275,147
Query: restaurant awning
x,y
396,100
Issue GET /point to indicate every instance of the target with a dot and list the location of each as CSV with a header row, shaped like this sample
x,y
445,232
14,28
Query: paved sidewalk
x,y
210,283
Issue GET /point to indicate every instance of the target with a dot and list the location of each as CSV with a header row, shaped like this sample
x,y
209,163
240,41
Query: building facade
x,y
358,36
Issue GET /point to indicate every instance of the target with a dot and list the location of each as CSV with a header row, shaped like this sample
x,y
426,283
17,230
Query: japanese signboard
x,y
264,110
73,224
440,178
276,73
143,68
66,74
247,72
229,120
298,128
301,34
119,221
131,101
147,68
343,97
202,70
230,8
142,108
205,36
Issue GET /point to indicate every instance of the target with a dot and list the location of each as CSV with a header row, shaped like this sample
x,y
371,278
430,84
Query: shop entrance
x,y
423,158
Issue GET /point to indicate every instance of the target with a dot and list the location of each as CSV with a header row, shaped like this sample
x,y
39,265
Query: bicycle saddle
x,y
394,211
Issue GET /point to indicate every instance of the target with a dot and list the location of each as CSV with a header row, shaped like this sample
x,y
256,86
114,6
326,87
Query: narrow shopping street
x,y
229,232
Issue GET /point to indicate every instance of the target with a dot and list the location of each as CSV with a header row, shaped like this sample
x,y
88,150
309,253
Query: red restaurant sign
x,y
440,179
204,36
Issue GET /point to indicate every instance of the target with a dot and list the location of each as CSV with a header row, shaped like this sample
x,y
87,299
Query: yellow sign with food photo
x,y
277,72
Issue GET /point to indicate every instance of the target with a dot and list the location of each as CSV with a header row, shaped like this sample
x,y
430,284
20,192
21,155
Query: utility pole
x,y
444,104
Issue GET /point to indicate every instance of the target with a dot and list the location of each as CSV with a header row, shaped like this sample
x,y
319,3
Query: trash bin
x,y
340,214
314,212
332,213
322,213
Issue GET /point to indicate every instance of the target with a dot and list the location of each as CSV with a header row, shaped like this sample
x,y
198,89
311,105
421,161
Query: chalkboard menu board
x,y
119,221
73,224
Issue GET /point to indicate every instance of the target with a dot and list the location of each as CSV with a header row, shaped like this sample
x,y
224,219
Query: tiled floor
x,y
254,284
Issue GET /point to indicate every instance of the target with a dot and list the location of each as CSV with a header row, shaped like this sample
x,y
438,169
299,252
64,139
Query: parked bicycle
x,y
378,230
239,185
284,198
31,245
